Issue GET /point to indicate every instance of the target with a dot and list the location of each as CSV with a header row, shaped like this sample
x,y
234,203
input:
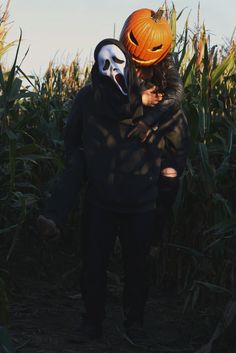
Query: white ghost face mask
x,y
112,63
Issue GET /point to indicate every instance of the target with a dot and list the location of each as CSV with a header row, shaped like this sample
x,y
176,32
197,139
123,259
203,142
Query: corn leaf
x,y
217,73
5,341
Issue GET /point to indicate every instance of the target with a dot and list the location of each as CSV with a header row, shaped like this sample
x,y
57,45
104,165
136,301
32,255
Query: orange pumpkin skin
x,y
147,39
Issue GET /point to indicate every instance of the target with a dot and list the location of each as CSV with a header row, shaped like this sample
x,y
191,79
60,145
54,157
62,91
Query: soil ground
x,y
46,305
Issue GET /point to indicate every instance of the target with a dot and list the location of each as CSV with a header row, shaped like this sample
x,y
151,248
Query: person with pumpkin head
x,y
147,36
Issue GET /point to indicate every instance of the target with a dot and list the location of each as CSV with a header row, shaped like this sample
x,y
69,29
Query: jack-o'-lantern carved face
x,y
147,36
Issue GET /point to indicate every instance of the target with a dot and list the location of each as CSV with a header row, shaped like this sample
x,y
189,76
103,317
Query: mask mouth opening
x,y
121,83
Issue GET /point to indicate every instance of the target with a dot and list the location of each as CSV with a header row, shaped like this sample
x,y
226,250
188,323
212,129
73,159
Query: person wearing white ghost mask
x,y
120,179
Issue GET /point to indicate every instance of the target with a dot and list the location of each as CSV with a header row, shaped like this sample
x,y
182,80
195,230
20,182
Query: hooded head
x,y
113,75
112,64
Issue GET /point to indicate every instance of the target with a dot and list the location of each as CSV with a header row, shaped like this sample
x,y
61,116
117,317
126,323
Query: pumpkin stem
x,y
158,15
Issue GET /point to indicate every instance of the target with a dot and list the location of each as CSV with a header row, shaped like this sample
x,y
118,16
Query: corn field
x,y
199,250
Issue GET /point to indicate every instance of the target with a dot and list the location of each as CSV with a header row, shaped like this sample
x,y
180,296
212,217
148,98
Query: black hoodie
x,y
121,173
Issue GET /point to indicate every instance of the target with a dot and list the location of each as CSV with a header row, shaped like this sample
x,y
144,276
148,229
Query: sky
x,y
59,29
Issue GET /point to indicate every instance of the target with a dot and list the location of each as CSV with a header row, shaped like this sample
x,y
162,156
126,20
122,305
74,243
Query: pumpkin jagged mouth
x,y
121,82
139,61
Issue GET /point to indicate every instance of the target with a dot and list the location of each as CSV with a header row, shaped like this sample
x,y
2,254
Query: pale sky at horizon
x,y
60,29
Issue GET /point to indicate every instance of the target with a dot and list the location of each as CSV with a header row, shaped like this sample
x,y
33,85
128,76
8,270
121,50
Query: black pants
x,y
135,232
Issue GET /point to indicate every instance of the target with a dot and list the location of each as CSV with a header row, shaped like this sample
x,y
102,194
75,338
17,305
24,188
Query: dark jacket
x,y
121,173
168,81
168,116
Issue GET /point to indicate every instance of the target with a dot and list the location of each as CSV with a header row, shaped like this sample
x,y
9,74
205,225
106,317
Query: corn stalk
x,y
203,235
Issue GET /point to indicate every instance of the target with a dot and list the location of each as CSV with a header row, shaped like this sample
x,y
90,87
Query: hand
x,y
150,97
47,228
141,130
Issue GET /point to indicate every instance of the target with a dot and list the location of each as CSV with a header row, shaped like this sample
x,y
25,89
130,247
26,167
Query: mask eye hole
x,y
118,61
157,48
106,65
133,39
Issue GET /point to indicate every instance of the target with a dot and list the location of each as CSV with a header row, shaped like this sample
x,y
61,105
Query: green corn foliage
x,y
203,232
31,130
31,139
6,341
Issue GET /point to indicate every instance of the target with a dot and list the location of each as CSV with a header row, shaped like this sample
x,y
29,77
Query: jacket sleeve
x,y
65,194
74,126
73,141
173,96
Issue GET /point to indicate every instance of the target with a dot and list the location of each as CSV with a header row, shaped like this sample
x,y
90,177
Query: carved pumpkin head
x,y
147,36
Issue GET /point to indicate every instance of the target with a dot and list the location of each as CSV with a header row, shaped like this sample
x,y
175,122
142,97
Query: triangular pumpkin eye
x,y
157,48
133,39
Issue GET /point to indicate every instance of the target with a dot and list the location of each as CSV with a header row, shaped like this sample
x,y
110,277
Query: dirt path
x,y
45,308
45,319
